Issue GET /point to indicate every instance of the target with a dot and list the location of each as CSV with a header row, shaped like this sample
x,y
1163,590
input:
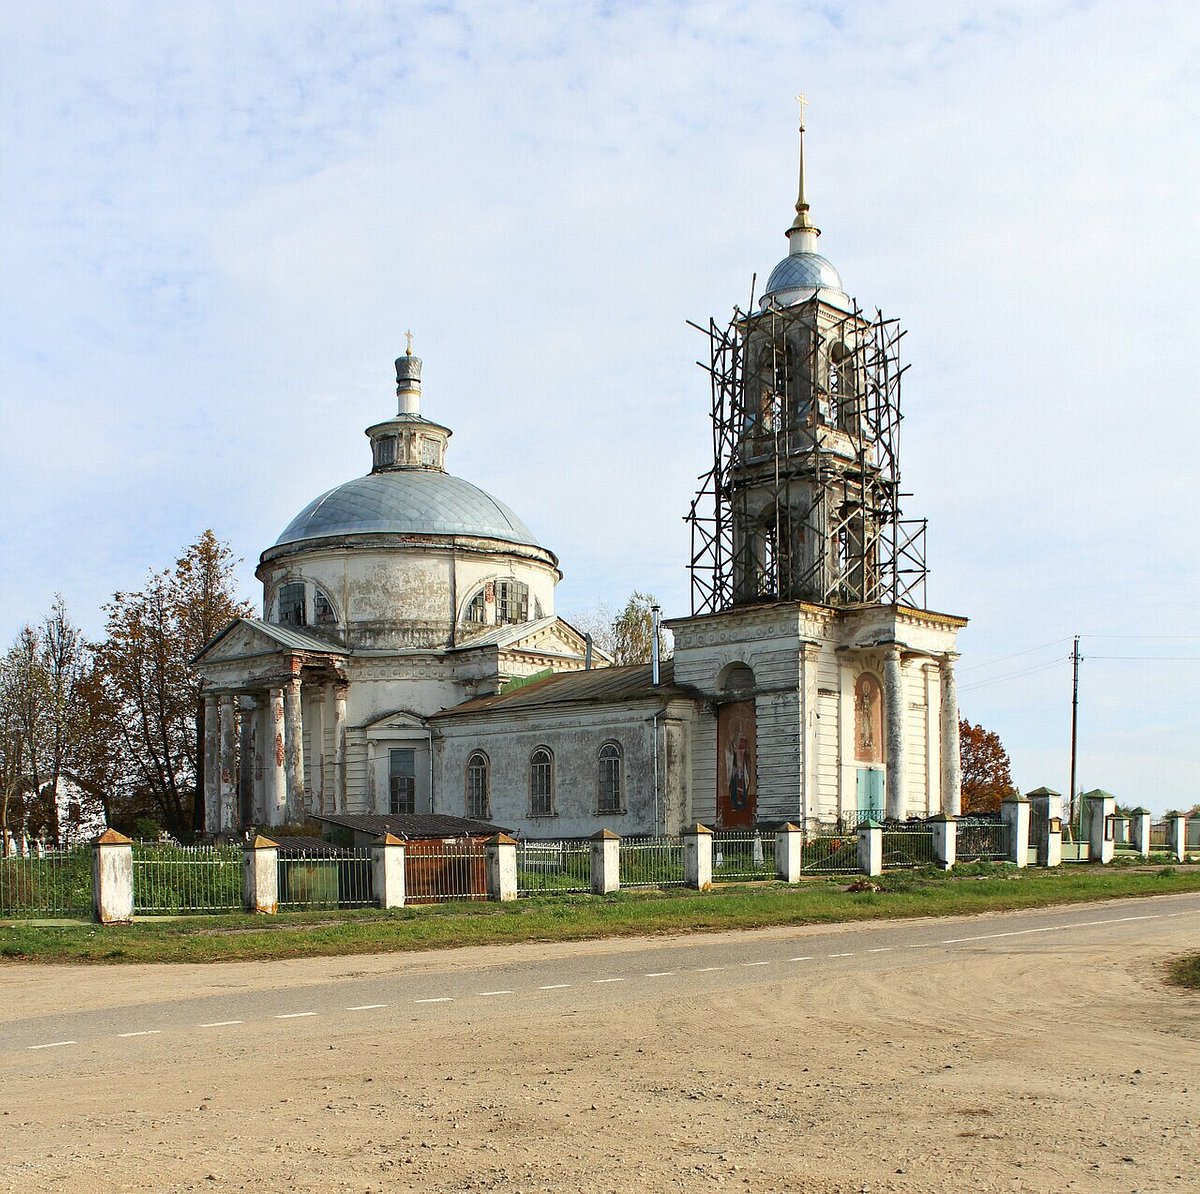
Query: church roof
x,y
802,272
607,685
407,502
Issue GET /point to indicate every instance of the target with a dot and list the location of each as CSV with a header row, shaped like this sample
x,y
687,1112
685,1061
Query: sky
x,y
220,219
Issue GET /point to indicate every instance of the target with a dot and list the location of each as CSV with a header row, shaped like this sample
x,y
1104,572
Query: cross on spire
x,y
802,100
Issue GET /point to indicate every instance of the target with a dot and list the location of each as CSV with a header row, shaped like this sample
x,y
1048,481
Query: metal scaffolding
x,y
803,498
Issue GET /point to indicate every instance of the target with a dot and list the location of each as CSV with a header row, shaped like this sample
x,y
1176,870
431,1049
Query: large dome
x,y
407,502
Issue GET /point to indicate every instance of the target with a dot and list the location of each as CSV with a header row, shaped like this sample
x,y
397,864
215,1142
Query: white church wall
x,y
575,738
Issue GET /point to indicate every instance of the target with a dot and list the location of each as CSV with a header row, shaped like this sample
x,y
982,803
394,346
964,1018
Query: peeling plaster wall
x,y
408,593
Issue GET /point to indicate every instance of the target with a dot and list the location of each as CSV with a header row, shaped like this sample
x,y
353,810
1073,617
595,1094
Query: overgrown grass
x,y
977,887
1185,972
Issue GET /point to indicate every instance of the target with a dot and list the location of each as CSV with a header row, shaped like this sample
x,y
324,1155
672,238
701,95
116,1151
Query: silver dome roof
x,y
803,271
407,502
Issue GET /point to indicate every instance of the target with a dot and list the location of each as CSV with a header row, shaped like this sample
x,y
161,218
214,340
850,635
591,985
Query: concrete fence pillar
x,y
1101,815
606,862
1051,853
1177,836
789,845
1139,830
260,876
945,840
387,871
112,879
1014,812
870,848
698,857
501,853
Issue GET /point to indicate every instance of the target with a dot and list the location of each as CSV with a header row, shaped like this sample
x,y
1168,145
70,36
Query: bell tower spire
x,y
802,235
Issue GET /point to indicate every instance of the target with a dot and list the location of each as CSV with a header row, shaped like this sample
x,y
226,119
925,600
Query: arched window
x,y
541,783
609,779
323,614
291,604
476,609
512,602
478,786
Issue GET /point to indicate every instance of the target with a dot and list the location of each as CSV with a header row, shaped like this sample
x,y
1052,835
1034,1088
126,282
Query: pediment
x,y
248,638
557,638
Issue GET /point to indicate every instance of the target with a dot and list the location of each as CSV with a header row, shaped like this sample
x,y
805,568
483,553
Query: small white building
x,y
403,610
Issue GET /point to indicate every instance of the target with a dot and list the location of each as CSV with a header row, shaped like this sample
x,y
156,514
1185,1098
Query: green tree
x,y
626,637
986,769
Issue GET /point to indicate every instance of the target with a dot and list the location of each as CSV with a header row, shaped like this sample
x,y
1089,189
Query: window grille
x,y
476,609
385,451
402,781
477,786
541,783
291,605
512,601
609,777
323,614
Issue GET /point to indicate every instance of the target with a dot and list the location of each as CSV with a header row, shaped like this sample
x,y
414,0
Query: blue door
x,y
870,793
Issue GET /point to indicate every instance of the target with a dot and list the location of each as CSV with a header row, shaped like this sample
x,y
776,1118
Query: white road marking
x,y
54,1044
802,958
366,1007
294,1015
608,980
144,1032
839,955
880,949
554,986
440,999
221,1023
660,974
706,969
920,944
756,963
495,992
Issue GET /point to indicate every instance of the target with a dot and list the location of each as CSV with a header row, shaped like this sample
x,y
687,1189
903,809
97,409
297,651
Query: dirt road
x,y
1032,1051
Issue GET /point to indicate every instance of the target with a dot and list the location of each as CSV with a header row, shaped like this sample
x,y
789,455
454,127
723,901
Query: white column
x,y
605,862
112,878
293,736
212,766
244,807
1141,830
315,723
789,846
501,862
1014,813
339,748
260,876
387,871
951,760
1177,835
945,840
870,849
274,761
1101,846
698,857
894,711
258,800
228,767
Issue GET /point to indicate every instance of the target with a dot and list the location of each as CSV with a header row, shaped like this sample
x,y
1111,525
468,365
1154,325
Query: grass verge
x,y
1185,972
906,894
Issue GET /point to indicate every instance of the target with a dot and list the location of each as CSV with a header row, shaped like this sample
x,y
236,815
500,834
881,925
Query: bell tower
x,y
803,500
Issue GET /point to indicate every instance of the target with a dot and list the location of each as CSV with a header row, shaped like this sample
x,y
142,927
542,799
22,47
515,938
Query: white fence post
x,y
1177,836
1053,855
501,853
698,857
260,876
1014,812
789,845
870,848
387,871
945,840
1101,807
112,878
1139,830
605,862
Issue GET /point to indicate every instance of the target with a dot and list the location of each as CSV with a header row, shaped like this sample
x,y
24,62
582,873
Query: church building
x,y
409,659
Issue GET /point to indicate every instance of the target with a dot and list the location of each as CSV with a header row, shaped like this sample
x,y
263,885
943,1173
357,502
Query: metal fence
x,y
830,852
908,846
336,877
450,869
1191,835
852,818
57,884
181,879
554,868
740,854
981,840
651,862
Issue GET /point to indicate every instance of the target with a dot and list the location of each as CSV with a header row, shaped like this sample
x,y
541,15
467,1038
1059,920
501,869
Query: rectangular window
x,y
402,781
291,605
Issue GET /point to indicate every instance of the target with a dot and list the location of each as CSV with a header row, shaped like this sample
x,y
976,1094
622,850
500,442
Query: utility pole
x,y
1074,722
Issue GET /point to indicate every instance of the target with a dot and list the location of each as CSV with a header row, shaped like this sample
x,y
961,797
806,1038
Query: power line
x,y
1015,655
1028,671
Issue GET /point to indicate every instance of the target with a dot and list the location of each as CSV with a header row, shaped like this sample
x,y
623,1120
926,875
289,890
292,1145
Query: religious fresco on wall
x,y
868,719
737,788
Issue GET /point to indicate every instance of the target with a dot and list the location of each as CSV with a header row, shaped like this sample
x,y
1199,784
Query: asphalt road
x,y
455,986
